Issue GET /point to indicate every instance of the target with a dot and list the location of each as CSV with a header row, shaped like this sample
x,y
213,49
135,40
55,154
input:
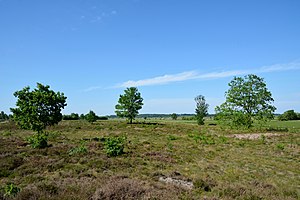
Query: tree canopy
x,y
201,109
247,99
39,108
129,104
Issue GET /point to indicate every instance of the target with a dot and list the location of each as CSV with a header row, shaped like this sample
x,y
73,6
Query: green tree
x,y
82,116
3,116
39,108
91,117
247,99
129,104
201,109
288,115
174,116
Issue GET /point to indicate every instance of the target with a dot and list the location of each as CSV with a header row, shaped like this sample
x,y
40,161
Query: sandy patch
x,y
253,136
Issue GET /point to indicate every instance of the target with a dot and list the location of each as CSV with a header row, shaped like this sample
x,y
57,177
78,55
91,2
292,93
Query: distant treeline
x,y
158,116
75,116
288,115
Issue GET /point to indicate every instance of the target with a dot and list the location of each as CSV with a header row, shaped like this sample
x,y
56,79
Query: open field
x,y
199,162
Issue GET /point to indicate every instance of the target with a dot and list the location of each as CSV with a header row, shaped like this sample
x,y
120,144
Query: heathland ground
x,y
163,159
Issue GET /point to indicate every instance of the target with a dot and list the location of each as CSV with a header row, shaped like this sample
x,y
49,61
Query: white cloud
x,y
161,79
184,76
194,75
190,75
223,74
280,67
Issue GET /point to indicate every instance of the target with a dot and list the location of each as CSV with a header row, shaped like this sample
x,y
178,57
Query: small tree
x,y
39,108
201,109
91,117
3,116
247,99
174,116
129,104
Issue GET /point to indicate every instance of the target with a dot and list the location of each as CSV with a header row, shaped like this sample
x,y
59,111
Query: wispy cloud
x,y
184,76
161,79
281,67
191,75
223,74
194,75
93,88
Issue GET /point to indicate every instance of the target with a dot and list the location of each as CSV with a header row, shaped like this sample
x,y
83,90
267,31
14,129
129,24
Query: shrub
x,y
174,116
203,138
91,116
78,150
114,146
11,190
288,115
39,140
280,146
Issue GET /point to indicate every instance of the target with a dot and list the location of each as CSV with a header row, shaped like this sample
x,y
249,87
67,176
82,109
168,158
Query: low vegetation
x,y
77,164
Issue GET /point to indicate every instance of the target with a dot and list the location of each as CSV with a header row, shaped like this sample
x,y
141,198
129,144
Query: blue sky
x,y
172,50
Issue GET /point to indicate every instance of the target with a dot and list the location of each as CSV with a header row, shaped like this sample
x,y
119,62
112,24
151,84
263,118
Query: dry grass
x,y
219,166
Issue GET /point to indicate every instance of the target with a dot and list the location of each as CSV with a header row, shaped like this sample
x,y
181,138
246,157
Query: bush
x,y
288,115
39,140
91,117
11,190
280,146
114,146
203,138
78,150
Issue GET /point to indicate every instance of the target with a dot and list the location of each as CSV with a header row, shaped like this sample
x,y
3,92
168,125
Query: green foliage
x,y
82,116
247,99
289,115
280,146
72,116
38,141
39,108
11,190
3,116
174,116
203,138
114,146
102,118
201,109
81,149
278,129
91,116
172,137
129,104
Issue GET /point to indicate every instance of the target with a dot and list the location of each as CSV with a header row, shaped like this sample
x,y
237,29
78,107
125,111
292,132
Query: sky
x,y
171,50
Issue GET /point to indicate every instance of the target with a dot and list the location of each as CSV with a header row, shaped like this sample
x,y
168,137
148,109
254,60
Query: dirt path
x,y
253,136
